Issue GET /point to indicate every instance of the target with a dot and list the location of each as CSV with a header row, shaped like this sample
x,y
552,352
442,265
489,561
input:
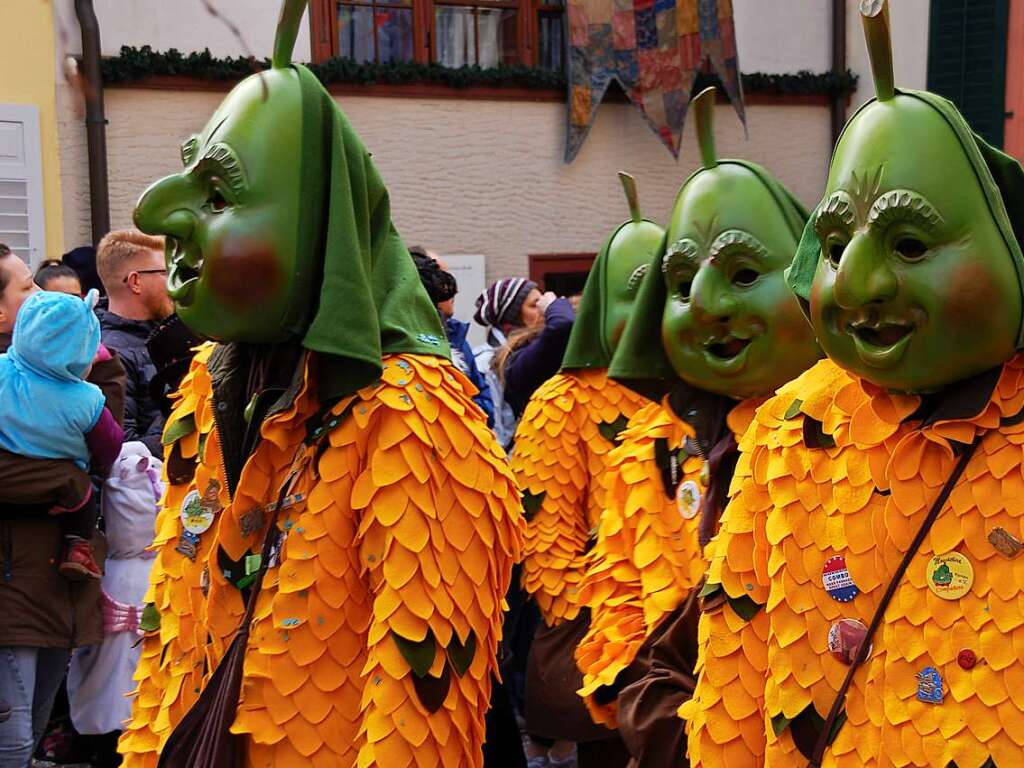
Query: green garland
x,y
133,65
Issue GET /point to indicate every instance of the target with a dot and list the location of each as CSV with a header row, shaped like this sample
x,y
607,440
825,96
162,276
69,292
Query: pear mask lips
x,y
880,343
727,353
183,272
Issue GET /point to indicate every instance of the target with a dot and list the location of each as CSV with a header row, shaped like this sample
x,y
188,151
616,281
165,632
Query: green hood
x,y
588,343
640,361
588,347
371,301
1001,178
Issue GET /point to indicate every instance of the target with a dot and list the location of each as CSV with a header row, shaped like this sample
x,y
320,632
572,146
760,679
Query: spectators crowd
x,y
84,388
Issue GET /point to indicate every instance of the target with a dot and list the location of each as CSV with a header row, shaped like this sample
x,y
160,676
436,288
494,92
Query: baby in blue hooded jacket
x,y
48,410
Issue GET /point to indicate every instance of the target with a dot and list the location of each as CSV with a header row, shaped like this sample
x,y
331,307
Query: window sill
x,y
439,91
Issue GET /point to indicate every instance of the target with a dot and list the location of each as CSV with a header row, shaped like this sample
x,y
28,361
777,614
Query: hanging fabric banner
x,y
655,49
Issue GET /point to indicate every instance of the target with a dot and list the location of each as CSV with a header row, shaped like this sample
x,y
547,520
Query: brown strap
x,y
890,591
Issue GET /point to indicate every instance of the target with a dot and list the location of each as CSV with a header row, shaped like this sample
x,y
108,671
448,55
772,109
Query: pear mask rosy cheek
x,y
244,273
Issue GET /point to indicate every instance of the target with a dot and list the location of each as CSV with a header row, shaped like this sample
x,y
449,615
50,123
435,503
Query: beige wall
x,y
471,176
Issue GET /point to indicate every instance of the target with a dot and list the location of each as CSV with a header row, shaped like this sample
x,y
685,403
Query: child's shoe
x,y
77,561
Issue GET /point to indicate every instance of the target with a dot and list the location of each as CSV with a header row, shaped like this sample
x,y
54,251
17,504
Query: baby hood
x,y
56,334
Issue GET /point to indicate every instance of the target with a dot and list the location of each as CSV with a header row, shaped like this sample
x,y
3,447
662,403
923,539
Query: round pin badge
x,y
950,575
688,499
195,517
836,579
845,638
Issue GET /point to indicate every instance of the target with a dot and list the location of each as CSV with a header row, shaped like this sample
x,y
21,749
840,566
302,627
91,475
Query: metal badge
x,y
836,579
1005,543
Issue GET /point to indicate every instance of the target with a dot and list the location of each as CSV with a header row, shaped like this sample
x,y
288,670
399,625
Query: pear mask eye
x,y
835,253
911,249
216,201
684,288
746,277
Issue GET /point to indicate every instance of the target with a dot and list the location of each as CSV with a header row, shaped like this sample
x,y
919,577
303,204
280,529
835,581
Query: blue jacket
x,y
46,408
462,356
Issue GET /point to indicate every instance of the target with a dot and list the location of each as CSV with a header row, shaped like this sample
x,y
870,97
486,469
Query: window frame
x,y
324,27
540,265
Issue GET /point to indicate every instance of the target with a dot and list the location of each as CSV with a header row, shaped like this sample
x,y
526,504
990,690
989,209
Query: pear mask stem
x,y
287,32
703,105
632,198
875,17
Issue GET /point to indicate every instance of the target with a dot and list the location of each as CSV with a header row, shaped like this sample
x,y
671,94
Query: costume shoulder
x,y
171,666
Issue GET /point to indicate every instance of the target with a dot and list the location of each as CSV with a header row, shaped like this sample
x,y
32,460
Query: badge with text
x,y
688,499
929,686
845,638
1005,543
198,512
950,576
836,579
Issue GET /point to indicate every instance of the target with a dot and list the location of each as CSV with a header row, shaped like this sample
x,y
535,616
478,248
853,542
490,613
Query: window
x,y
375,31
563,273
967,60
454,33
22,226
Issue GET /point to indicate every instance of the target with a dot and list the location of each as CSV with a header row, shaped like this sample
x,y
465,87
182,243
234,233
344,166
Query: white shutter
x,y
22,218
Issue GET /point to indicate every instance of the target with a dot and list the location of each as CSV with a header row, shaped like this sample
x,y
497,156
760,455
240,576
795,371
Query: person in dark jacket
x,y
534,355
441,287
45,616
132,268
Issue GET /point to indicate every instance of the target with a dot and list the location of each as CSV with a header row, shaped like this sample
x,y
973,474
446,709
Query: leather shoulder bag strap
x,y
824,738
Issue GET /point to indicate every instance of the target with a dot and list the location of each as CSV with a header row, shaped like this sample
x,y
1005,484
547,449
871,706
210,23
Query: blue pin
x,y
929,686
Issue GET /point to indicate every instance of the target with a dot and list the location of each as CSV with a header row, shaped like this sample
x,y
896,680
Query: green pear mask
x,y
730,324
279,229
232,216
715,293
612,287
915,264
629,255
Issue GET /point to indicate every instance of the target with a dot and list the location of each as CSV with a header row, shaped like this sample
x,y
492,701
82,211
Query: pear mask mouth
x,y
727,348
881,334
183,271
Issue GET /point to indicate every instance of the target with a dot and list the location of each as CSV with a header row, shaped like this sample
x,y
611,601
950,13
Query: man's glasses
x,y
144,272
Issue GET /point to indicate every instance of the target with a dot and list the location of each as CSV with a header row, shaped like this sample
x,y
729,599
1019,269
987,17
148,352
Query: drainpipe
x,y
838,65
95,119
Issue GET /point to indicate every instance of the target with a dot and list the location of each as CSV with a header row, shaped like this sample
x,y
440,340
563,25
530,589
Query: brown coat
x,y
40,608
663,678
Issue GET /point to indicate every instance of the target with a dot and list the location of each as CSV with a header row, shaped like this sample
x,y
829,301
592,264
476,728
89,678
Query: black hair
x,y
51,269
4,253
440,285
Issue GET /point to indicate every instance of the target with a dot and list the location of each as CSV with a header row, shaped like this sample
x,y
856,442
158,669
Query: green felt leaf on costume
x,y
179,428
709,588
150,619
531,503
461,654
794,409
780,723
432,691
610,430
419,655
745,608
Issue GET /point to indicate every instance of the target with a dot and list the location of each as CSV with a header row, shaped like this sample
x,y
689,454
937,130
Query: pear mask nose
x,y
165,208
711,301
863,277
